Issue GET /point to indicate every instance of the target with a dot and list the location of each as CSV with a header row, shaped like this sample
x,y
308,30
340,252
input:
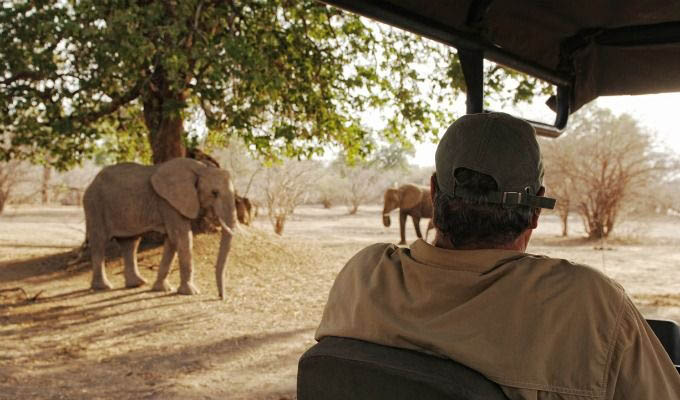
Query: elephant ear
x,y
175,181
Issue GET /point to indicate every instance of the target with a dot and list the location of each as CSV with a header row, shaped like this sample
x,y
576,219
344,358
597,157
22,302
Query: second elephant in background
x,y
244,209
411,200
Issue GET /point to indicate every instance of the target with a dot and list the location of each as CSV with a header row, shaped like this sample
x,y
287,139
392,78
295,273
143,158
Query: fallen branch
x,y
35,298
16,289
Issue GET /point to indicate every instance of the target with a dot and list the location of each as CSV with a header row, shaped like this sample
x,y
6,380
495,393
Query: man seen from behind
x,y
540,327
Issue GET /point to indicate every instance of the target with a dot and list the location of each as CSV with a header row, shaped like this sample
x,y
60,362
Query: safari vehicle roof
x,y
588,48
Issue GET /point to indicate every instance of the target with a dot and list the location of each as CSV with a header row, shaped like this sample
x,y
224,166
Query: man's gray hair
x,y
474,223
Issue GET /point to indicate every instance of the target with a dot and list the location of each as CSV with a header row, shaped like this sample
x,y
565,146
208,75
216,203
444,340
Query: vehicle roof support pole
x,y
472,63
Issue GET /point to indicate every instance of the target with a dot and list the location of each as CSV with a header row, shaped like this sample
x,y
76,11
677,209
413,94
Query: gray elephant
x,y
411,200
126,200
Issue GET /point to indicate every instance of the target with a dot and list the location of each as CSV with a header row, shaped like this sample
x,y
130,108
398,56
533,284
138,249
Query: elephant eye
x,y
215,193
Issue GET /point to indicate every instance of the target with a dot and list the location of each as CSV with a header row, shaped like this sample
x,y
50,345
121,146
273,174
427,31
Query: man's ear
x,y
433,185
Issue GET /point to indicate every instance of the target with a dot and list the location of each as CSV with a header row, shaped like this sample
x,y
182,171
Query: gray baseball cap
x,y
498,145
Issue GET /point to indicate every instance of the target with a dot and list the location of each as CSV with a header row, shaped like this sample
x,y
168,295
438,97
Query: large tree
x,y
287,76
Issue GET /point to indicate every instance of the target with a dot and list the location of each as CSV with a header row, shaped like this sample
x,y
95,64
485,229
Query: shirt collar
x,y
479,261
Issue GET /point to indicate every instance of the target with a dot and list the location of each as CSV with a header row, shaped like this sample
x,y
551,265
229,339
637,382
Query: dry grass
x,y
136,344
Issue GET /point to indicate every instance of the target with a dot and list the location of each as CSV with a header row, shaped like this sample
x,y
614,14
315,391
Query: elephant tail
x,y
80,254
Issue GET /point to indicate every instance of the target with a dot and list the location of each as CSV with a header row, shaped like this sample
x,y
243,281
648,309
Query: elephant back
x,y
119,182
426,208
411,197
121,190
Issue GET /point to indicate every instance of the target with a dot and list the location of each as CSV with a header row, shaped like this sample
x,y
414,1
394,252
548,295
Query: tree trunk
x,y
279,222
563,211
596,228
565,223
163,119
3,199
45,187
166,142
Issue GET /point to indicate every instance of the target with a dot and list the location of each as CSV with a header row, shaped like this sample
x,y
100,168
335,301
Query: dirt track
x,y
126,344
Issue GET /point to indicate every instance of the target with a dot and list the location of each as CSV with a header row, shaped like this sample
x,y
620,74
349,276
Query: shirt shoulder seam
x,y
614,337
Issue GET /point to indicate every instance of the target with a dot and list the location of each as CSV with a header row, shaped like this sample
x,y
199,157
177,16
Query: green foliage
x,y
386,156
123,138
90,77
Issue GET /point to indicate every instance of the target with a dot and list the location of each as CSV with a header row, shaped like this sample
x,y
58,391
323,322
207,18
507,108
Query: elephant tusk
x,y
225,228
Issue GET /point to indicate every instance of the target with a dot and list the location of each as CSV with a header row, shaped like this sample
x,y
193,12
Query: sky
x,y
658,112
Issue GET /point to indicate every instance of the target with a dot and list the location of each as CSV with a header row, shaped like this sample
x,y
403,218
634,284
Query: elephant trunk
x,y
221,264
386,220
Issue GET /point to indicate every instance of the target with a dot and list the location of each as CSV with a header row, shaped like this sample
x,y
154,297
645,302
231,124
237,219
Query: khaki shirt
x,y
541,328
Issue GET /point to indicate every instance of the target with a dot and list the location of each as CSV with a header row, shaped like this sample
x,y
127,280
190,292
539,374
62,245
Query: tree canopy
x,y
287,76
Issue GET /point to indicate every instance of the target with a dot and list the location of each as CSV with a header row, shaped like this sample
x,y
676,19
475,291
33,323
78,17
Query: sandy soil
x,y
62,341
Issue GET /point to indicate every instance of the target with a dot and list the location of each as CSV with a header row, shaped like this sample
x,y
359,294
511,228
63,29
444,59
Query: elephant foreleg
x,y
402,226
416,224
161,284
131,272
186,268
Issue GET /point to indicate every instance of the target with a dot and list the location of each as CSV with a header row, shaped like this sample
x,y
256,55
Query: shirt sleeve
x,y
640,368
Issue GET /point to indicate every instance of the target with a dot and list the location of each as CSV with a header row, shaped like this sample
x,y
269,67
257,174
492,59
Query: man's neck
x,y
519,244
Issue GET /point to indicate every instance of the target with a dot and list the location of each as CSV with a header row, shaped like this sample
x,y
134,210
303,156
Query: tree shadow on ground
x,y
76,261
62,317
168,372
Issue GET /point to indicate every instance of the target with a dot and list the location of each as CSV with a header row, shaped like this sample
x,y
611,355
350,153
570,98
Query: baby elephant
x,y
126,200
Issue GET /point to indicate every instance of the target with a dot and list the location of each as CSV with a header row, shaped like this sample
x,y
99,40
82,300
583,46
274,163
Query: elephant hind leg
x,y
129,247
97,251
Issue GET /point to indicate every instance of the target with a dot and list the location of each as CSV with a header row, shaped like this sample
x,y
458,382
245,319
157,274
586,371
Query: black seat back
x,y
343,368
668,333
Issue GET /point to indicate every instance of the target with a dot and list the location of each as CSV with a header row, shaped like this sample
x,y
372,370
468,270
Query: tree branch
x,y
114,105
24,75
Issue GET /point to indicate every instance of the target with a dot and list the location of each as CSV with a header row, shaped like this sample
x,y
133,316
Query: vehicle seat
x,y
342,368
668,333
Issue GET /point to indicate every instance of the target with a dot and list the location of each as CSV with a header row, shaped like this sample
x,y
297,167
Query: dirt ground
x,y
61,341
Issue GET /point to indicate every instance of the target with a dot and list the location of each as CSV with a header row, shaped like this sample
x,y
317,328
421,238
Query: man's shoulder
x,y
373,253
577,274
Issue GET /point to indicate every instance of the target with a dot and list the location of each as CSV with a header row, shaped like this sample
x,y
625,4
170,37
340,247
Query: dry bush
x,y
558,181
244,168
329,188
35,184
285,187
68,187
11,174
601,164
359,186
